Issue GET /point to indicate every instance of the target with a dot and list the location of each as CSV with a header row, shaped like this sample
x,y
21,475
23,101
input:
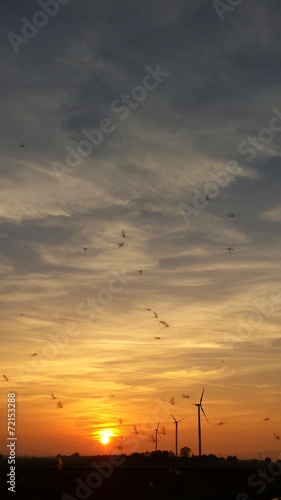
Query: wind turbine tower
x,y
176,434
156,436
199,409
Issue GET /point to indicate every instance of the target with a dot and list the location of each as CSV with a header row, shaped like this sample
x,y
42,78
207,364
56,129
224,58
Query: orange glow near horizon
x,y
237,435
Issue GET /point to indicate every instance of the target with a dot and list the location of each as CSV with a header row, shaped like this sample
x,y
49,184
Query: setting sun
x,y
105,437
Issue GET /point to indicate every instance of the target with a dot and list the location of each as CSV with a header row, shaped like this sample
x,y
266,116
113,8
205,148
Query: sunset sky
x,y
182,103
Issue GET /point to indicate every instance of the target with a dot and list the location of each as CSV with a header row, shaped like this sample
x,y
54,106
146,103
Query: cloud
x,y
223,83
273,214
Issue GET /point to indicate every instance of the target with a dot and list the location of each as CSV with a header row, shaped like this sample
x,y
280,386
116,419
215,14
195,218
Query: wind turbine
x,y
176,424
156,436
200,407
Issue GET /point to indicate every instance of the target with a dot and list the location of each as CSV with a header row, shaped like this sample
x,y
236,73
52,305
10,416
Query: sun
x,y
105,436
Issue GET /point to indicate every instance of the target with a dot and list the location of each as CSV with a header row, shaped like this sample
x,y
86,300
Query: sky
x,y
155,125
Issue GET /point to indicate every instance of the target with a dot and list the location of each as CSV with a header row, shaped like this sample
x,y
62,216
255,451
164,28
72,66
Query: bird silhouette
x,y
157,338
185,396
231,214
140,271
172,401
34,354
220,423
266,418
207,197
230,249
53,397
59,404
164,323
21,145
85,249
277,436
120,245
147,309
135,429
6,378
123,235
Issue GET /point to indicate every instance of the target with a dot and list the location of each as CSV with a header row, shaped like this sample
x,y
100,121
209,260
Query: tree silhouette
x,y
185,451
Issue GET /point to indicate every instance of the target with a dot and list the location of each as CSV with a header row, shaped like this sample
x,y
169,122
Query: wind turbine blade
x,y
173,417
202,395
204,414
181,419
157,425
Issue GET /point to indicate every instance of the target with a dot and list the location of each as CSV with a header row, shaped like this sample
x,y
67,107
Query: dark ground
x,y
181,479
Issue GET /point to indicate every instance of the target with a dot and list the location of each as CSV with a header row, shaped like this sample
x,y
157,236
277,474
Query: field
x,y
181,479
